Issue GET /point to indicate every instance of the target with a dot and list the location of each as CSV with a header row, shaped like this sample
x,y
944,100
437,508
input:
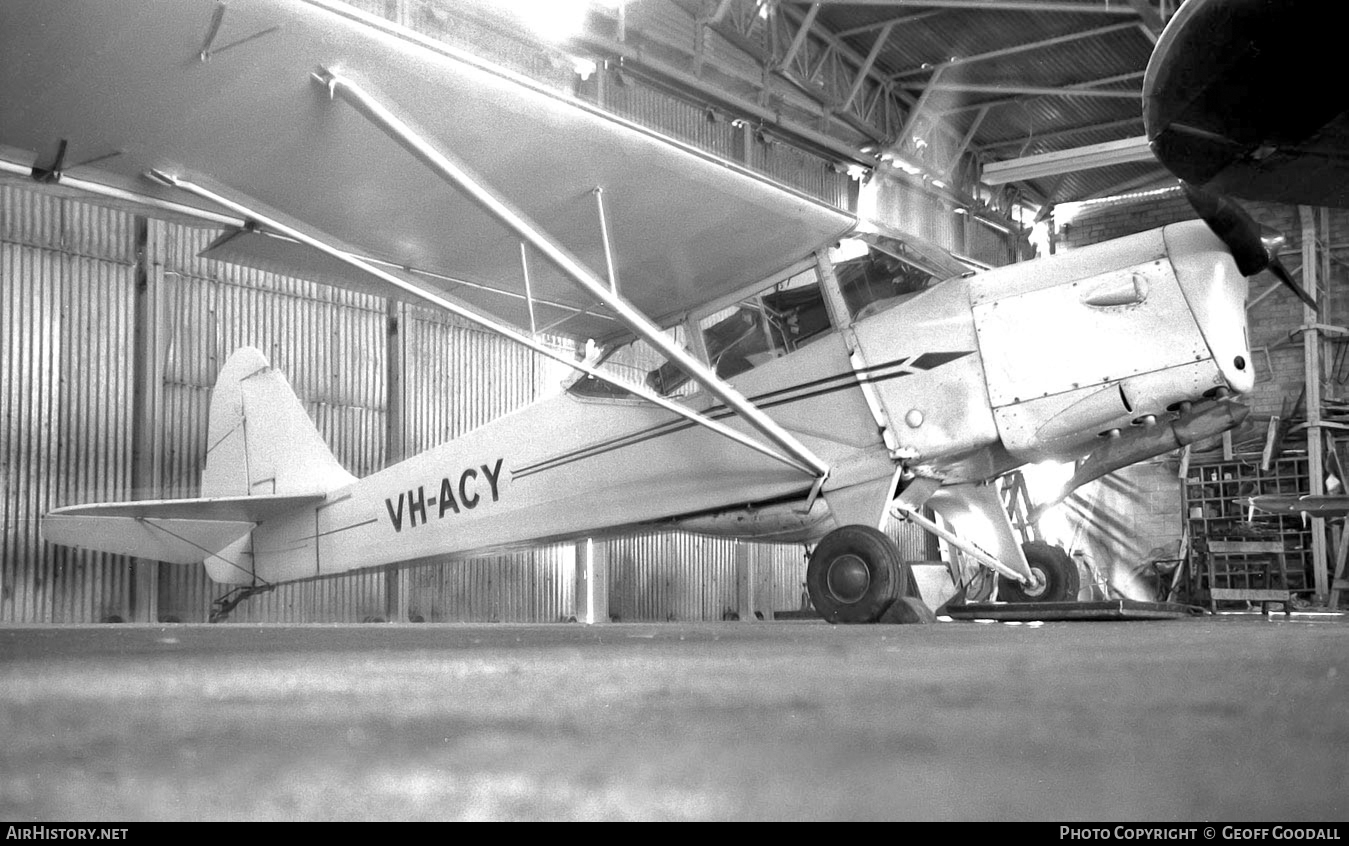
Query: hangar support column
x,y
147,389
592,581
395,585
1315,269
746,580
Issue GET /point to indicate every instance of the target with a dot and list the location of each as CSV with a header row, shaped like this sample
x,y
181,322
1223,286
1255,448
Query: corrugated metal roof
x,y
959,34
1104,41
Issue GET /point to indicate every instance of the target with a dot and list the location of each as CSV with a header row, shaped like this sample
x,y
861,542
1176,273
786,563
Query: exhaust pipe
x,y
1151,440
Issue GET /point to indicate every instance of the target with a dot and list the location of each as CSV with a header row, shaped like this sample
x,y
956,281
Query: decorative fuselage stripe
x,y
338,530
874,374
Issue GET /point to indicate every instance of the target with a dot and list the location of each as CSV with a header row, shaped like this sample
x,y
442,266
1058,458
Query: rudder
x,y
261,441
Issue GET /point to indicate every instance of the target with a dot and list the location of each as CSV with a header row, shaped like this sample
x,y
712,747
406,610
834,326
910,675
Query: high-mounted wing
x,y
1226,106
226,94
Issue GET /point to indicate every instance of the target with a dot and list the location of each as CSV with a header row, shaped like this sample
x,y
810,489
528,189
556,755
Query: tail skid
x,y
223,605
265,459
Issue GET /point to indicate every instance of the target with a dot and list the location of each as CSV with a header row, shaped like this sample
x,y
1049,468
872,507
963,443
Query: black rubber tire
x,y
855,574
1059,571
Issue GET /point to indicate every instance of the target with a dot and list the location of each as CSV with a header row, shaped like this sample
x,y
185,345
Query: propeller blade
x,y
1241,234
1276,267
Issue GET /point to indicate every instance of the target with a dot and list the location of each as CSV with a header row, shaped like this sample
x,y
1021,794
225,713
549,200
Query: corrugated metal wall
x,y
705,128
66,297
986,244
717,132
669,576
350,598
538,586
912,210
459,377
330,343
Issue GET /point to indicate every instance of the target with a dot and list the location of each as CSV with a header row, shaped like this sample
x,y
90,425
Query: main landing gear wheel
x,y
1055,573
855,574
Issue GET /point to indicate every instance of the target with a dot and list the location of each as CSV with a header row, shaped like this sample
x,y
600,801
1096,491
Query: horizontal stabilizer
x,y
174,541
241,509
178,531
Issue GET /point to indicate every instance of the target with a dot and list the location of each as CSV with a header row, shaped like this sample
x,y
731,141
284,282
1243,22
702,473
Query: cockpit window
x,y
631,362
874,272
881,272
758,329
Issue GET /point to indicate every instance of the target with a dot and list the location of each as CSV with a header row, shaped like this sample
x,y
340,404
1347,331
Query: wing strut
x,y
472,316
449,169
529,295
608,244
907,511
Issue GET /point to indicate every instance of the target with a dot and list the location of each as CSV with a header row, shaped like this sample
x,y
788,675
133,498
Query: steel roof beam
x,y
1064,90
902,19
867,64
912,120
837,45
1149,17
1060,133
1019,48
1087,8
965,142
1034,90
802,32
1125,151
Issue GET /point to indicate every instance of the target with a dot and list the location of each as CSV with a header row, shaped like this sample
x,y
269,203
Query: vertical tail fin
x,y
261,442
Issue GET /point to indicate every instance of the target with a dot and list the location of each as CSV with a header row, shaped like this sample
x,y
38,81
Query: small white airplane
x,y
807,373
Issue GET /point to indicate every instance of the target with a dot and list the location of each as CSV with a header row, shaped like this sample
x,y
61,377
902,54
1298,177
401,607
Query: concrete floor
x,y
1225,718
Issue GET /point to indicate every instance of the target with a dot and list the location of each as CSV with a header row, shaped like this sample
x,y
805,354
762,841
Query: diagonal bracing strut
x,y
446,166
453,307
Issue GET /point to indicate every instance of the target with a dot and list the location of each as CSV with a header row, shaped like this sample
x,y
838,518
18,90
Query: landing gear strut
x,y
1056,577
855,574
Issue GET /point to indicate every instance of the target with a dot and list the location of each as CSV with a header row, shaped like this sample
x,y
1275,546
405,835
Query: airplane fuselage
x,y
961,383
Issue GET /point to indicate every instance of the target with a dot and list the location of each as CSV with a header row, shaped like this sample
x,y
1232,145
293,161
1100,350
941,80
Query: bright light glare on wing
x,y
556,20
848,248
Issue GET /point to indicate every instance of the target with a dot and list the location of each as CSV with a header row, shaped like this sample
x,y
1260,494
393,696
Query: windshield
x,y
874,272
756,330
879,271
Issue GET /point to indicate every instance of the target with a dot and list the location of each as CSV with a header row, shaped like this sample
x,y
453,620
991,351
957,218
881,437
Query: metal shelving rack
x,y
1242,548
